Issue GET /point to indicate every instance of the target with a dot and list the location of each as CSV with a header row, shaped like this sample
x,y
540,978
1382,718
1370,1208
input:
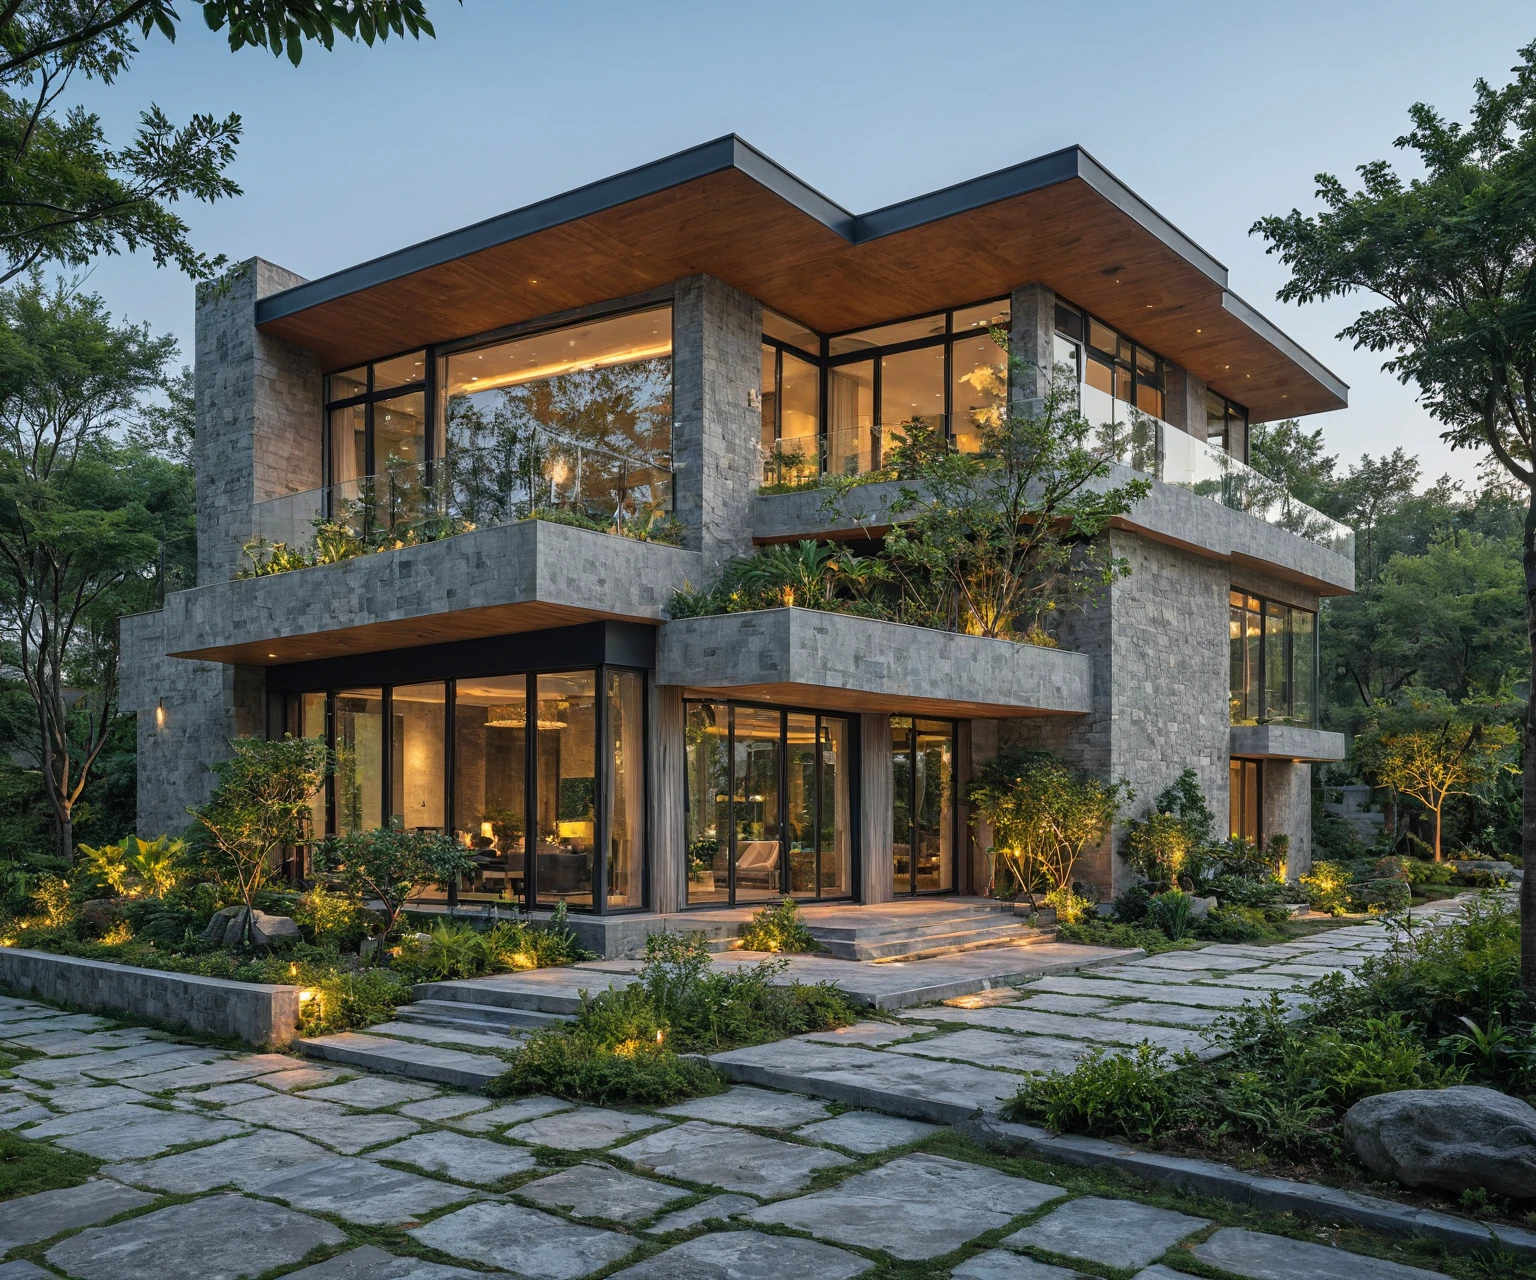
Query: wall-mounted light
x,y
159,713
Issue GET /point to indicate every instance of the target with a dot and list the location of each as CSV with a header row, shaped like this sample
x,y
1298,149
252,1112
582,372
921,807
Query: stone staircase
x,y
921,931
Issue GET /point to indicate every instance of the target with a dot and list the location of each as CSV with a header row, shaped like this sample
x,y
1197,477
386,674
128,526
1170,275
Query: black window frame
x,y
1262,695
954,807
1067,312
426,385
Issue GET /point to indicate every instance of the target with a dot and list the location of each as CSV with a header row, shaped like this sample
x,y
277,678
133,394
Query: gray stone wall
x,y
1032,338
186,714
716,416
877,796
1183,400
258,415
1286,809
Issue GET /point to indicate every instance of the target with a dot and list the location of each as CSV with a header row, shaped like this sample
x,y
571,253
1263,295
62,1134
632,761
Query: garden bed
x,y
258,1013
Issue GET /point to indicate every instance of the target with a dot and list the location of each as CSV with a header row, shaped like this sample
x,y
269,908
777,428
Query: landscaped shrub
x,y
1131,905
1172,912
1420,872
1099,932
1157,847
778,928
1325,884
1070,907
1130,1094
630,1073
386,864
1234,924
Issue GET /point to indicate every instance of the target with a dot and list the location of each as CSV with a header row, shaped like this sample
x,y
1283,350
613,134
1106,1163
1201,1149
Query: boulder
x,y
1199,908
1458,1138
218,926
266,931
100,914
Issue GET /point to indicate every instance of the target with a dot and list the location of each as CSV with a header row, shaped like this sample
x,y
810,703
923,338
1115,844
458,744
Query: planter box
x,y
254,1012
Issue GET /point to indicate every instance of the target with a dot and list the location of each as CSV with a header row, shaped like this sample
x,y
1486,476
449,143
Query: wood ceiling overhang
x,y
725,209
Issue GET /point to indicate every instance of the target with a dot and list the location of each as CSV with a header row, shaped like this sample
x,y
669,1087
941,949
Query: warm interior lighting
x,y
488,830
554,368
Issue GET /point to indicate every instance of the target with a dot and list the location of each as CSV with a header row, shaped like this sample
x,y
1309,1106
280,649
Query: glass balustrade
x,y
468,489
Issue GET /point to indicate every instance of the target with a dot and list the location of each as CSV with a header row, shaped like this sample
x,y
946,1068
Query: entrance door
x,y
923,809
758,859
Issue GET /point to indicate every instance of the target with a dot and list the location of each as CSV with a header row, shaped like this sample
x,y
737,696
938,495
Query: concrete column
x,y
1183,400
716,416
1286,809
669,835
1032,339
975,743
877,792
258,415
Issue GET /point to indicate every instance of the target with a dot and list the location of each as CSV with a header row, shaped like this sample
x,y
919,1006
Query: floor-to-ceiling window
x,y
767,804
1246,783
924,836
1273,660
466,756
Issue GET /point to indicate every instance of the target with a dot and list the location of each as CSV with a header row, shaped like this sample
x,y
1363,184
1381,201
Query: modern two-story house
x,y
700,340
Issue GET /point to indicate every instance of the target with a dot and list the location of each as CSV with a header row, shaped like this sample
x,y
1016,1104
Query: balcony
x,y
415,503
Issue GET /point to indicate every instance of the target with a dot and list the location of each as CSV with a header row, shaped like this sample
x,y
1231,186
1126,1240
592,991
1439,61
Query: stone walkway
x,y
216,1164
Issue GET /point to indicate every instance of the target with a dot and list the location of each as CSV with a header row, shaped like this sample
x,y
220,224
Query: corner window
x,y
1273,658
1226,425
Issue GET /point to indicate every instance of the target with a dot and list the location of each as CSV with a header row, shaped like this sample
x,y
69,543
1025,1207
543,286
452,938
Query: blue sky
x,y
1216,113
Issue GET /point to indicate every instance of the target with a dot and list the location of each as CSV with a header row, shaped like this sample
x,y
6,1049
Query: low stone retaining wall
x,y
257,1013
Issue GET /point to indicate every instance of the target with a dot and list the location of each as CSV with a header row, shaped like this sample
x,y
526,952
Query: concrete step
x,y
538,990
400,1058
466,1016
1024,938
945,922
1004,932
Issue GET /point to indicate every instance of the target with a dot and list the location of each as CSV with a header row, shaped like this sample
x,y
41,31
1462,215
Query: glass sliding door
x,y
490,776
418,759
707,801
565,788
800,833
922,805
834,841
757,867
625,787
359,759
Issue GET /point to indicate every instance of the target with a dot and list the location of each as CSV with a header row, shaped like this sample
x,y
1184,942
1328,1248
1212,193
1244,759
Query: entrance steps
x,y
920,930
464,1015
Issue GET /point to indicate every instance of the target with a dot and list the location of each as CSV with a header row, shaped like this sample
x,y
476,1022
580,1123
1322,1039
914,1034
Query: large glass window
x,y
923,811
767,804
571,778
376,425
580,416
1245,780
853,439
1226,425
791,435
1273,659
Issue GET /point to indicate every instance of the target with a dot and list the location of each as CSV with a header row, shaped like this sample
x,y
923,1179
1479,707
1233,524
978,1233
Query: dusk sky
x,y
1216,114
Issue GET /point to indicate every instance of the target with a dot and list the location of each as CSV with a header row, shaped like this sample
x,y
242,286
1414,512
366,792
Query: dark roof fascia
x,y
732,152
1266,329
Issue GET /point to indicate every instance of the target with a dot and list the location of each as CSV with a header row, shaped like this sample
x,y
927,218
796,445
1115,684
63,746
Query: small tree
x,y
261,803
1042,814
1431,748
998,542
387,863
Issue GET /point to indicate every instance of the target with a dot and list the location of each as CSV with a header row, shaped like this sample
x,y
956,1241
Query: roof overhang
x,y
726,210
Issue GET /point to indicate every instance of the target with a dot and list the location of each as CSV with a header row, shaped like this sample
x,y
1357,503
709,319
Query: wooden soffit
x,y
726,210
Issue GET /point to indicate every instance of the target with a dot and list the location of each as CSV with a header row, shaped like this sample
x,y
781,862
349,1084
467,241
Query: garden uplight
x,y
306,996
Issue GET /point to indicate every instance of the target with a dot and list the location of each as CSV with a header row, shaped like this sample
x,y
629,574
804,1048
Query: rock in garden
x,y
1456,1139
101,914
217,927
266,931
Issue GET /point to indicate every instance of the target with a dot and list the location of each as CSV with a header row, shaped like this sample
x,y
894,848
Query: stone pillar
x,y
258,415
669,833
1285,808
1032,339
1183,400
877,792
975,744
187,712
716,417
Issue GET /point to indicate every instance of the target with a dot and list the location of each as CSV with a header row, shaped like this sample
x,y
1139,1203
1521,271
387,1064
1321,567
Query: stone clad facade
x,y
1139,688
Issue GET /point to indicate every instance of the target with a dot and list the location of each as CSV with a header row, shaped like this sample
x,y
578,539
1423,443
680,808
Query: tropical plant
x,y
138,867
54,900
1450,259
260,803
805,574
1173,912
386,864
778,928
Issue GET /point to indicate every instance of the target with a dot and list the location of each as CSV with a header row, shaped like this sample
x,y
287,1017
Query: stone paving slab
x,y
456,1156
149,1059
427,1033
535,1245
999,1264
866,1131
23,1270
1264,1257
67,1044
904,1085
995,1049
372,1092
302,1078
511,1113
1116,1233
759,1108
399,1057
1046,1002
719,1207
599,1191
584,1129
360,1191
241,1162
1264,982
871,1034
1202,959
89,1097
1164,977
123,1136
224,1095
81,1022
448,1107
325,1122
735,1159
748,1255
373,1263
1168,993
24,1113
1101,1029
36,1217
206,1073
213,1239
917,1206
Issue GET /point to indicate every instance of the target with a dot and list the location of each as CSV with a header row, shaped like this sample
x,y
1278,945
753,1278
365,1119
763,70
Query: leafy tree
x,y
1431,749
79,540
260,804
1003,541
1368,496
387,863
1450,258
66,193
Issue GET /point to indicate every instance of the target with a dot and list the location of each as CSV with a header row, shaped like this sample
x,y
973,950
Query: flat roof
x,y
727,210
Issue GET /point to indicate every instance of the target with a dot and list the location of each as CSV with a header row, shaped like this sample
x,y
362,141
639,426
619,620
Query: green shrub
x,y
778,928
1157,847
1098,932
1131,906
341,999
1235,924
1127,1094
1070,907
631,1073
1173,913
1325,886
1419,871
1244,891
